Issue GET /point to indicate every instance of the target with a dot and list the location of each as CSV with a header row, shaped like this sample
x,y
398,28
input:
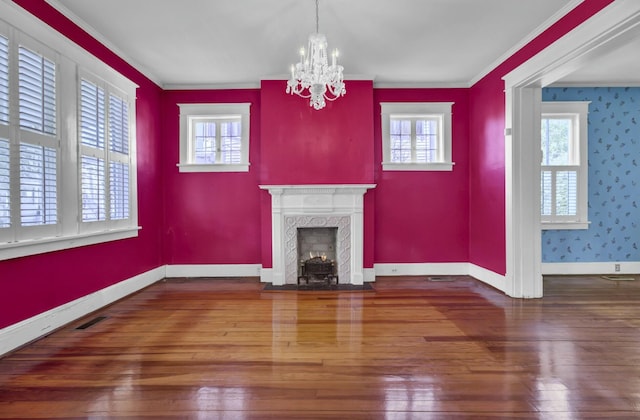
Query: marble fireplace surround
x,y
301,206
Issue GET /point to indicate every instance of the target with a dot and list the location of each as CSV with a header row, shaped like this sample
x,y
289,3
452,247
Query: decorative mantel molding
x,y
294,206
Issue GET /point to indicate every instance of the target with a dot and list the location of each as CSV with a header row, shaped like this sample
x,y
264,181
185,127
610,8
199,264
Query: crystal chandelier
x,y
312,77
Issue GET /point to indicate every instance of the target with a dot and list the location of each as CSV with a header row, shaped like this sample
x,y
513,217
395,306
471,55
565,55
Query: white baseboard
x,y
214,270
369,275
23,332
443,269
422,269
487,276
586,268
266,275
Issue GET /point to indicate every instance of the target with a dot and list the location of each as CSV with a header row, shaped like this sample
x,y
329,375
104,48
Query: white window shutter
x,y
92,115
93,189
5,185
118,125
37,92
119,189
38,185
4,80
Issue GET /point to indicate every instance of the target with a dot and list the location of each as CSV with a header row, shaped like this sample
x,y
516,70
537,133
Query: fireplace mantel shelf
x,y
318,188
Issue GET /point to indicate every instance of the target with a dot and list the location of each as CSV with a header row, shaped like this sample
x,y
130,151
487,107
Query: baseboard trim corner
x,y
24,332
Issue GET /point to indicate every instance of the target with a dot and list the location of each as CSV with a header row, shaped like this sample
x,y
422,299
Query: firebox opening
x,y
317,259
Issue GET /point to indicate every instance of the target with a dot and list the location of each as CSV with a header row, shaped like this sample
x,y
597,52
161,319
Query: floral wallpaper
x,y
614,177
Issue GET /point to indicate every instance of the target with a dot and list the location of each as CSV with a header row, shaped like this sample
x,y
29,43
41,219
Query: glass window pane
x,y
38,185
204,147
427,141
556,141
547,198
119,190
230,142
93,189
566,193
118,125
400,140
5,185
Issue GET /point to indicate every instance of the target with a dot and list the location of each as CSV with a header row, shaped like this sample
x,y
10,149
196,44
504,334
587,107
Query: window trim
x,y
189,112
22,28
442,110
580,111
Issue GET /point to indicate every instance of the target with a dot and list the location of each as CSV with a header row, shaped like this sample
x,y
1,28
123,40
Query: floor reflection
x,y
408,349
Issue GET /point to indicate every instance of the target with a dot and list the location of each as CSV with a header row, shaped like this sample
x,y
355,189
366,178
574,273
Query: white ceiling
x,y
239,42
620,66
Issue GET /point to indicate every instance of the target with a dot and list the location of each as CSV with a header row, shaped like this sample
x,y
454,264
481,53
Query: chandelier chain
x,y
317,19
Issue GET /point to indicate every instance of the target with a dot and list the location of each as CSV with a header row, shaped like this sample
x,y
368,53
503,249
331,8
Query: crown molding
x,y
104,41
526,40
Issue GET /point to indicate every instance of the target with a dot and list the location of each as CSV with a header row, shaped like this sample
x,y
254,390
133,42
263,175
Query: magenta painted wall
x,y
32,285
486,128
211,217
300,145
423,217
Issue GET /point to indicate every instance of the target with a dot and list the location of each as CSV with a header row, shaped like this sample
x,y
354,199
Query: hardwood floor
x,y
409,349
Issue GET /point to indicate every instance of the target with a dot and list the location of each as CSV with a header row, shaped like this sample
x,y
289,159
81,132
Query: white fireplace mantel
x,y
298,206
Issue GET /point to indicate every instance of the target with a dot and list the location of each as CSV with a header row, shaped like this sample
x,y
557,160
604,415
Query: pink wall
x,y
486,128
211,217
300,145
32,285
423,216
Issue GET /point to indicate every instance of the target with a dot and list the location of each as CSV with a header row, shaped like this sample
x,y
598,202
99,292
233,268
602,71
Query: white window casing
x,y
40,141
416,136
564,183
214,137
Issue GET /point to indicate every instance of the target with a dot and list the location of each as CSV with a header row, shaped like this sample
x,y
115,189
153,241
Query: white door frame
x,y
609,29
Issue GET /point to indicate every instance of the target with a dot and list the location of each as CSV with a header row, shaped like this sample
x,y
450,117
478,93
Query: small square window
x,y
214,137
416,136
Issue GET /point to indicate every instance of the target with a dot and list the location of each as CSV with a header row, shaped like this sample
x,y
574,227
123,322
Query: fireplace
x,y
317,242
336,207
317,255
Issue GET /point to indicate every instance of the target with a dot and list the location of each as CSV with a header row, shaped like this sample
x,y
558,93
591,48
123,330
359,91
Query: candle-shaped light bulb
x,y
333,57
292,72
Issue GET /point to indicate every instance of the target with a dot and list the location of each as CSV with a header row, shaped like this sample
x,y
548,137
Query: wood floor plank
x,y
225,348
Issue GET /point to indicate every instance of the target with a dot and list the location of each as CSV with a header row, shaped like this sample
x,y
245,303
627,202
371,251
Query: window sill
x,y
439,166
191,167
565,225
39,246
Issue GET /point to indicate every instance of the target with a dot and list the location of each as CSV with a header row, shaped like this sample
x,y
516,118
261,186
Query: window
x,y
67,163
563,180
416,136
104,161
214,137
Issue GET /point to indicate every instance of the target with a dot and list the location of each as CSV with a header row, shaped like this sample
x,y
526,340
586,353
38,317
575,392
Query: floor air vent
x,y
91,323
440,278
619,278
